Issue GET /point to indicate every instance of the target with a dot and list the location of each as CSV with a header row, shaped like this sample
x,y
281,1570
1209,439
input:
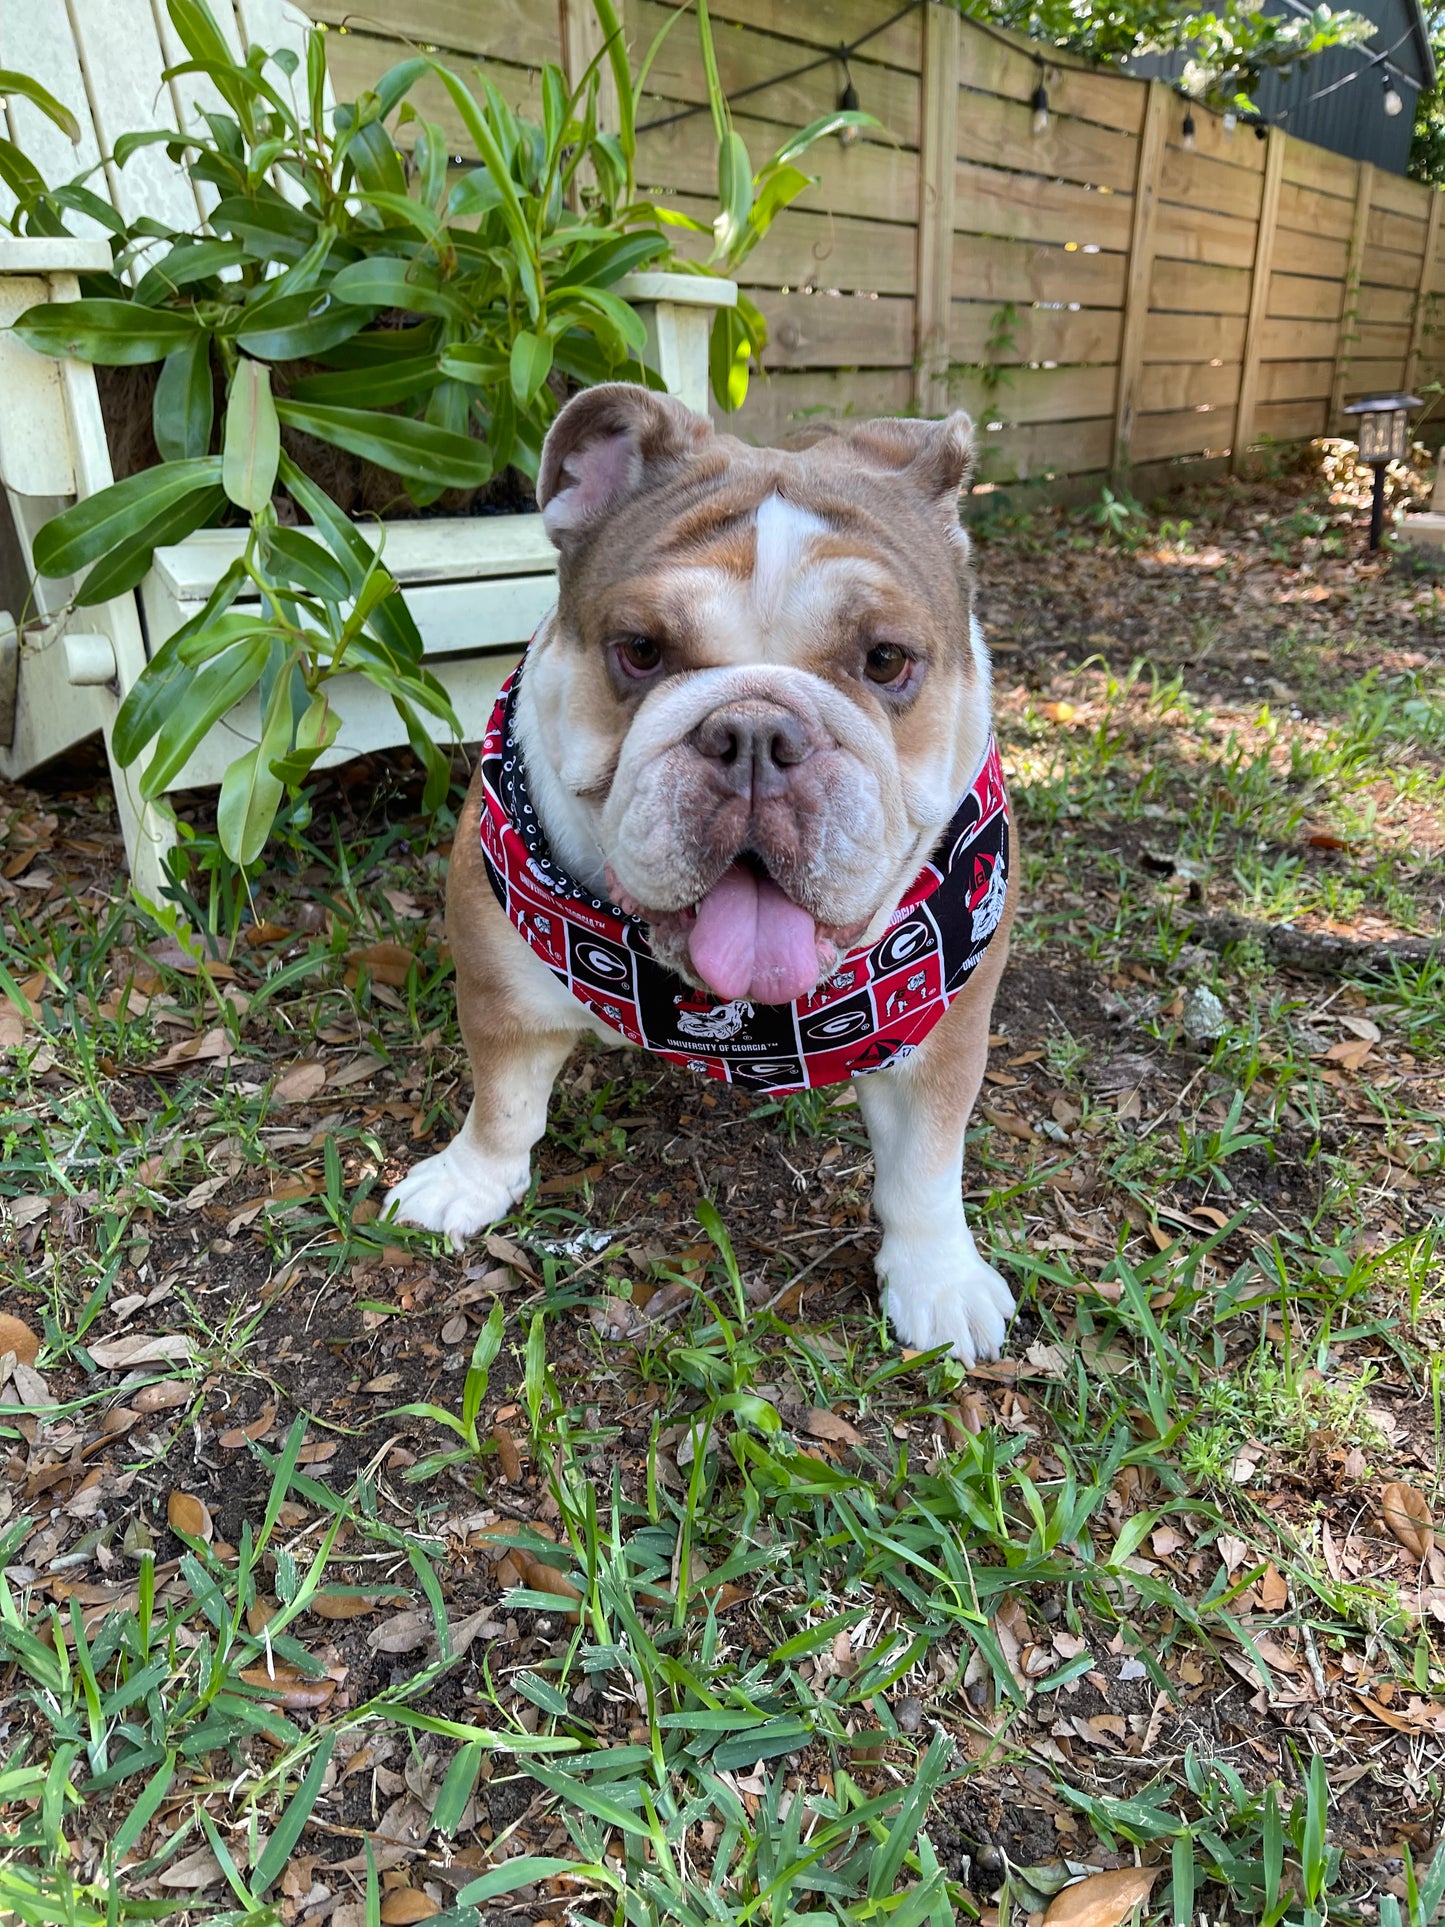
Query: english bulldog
x,y
741,805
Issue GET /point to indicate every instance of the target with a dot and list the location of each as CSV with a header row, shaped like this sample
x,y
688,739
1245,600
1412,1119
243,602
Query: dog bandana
x,y
877,1007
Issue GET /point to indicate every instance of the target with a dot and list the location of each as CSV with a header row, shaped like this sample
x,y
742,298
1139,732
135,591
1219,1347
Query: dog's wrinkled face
x,y
762,694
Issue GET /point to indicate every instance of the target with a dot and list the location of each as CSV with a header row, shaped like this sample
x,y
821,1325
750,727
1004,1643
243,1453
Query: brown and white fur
x,y
772,584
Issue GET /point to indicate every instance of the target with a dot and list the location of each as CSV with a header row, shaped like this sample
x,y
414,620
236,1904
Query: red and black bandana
x,y
877,1007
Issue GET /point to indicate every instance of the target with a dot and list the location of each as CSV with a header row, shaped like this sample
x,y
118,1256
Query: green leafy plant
x,y
352,292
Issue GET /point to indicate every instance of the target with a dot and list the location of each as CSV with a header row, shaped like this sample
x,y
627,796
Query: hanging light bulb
x,y
1040,105
1188,130
1231,120
1392,102
847,104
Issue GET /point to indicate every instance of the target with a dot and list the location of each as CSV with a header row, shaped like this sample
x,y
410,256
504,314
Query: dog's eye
x,y
640,655
886,663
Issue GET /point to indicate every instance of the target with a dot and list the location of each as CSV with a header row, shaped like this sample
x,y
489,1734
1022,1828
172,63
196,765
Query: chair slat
x,y
124,62
35,38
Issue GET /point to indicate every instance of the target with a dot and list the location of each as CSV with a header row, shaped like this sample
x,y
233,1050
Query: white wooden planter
x,y
476,586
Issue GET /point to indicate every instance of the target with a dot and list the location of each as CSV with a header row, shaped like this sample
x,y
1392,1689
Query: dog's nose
x,y
755,745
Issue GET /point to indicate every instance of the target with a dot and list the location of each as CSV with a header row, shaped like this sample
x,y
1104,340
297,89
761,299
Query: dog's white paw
x,y
459,1191
942,1293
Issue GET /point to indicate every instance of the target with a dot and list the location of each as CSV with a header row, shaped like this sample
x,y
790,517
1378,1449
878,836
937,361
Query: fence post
x,y
1258,300
1138,284
1422,293
1350,300
937,172
580,33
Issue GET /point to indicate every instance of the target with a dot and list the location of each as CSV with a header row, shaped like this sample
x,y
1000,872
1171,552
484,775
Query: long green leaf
x,y
127,562
115,334
287,1831
251,792
93,525
406,447
182,412
251,449
16,86
216,689
382,282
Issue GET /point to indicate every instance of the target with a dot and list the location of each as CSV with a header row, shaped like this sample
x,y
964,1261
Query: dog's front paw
x,y
944,1294
459,1191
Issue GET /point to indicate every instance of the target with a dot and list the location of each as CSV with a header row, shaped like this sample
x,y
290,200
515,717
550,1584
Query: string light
x,y
1392,102
1231,120
1040,103
1187,130
847,100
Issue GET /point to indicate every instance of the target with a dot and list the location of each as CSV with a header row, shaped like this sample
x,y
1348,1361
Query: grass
x,y
620,1570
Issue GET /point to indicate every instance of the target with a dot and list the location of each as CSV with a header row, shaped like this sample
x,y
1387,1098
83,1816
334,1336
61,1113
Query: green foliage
x,y
1228,47
365,295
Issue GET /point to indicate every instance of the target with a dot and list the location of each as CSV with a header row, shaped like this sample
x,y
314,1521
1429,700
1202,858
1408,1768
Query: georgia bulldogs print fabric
x,y
876,1008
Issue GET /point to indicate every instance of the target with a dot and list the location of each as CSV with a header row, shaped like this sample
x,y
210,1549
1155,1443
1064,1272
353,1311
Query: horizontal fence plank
x,y
1392,307
356,61
1211,142
1400,196
1308,166
837,331
1199,234
869,178
1046,335
1032,207
1041,453
1033,394
1374,342
1297,253
990,66
1194,337
822,26
1068,149
1194,180
1329,216
1312,339
1179,287
746,58
1184,432
1023,271
804,249
1295,380
1390,268
1370,375
1385,229
782,404
1174,385
1298,297
510,30
1292,421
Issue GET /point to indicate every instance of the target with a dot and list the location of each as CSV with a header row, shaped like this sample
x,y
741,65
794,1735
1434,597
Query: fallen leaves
x,y
1406,1512
216,1046
140,1348
304,1080
403,1905
17,1337
189,1516
1102,1899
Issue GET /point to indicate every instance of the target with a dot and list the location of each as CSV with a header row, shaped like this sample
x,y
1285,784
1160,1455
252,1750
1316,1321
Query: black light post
x,y
1384,437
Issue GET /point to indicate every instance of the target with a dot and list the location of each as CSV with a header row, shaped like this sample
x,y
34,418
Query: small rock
x,y
909,1713
1204,1016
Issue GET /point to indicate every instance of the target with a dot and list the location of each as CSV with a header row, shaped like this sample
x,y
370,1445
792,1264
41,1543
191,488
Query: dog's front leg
x,y
488,1164
937,1290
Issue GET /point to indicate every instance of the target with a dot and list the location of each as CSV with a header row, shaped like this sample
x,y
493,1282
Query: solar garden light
x,y
1384,437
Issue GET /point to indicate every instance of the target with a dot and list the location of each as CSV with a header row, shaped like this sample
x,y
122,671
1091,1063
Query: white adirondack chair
x,y
476,587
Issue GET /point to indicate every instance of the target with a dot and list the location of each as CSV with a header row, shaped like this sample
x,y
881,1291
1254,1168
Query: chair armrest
x,y
58,254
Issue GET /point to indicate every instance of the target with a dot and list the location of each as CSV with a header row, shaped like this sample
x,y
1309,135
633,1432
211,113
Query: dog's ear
x,y
600,447
936,455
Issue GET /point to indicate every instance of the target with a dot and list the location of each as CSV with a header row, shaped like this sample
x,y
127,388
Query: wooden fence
x,y
1103,299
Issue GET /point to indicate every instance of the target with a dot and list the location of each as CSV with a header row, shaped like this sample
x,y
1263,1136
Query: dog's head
x,y
763,691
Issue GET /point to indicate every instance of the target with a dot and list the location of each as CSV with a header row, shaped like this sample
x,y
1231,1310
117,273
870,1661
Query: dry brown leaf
x,y
1406,1512
1361,1027
187,1514
305,1079
1009,1122
385,963
1102,1899
16,1336
318,1451
344,1605
140,1348
1210,1214
240,1435
1350,1053
508,1457
159,1398
288,1687
402,1634
820,1423
1273,1591
214,1047
406,1904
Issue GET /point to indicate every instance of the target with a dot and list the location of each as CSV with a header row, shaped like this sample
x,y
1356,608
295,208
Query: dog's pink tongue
x,y
752,941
